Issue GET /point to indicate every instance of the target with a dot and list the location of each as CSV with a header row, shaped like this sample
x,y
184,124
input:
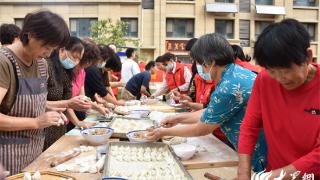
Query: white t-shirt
x,y
129,69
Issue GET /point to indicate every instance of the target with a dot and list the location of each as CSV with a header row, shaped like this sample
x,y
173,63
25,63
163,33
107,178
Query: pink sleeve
x,y
251,124
310,163
83,77
78,82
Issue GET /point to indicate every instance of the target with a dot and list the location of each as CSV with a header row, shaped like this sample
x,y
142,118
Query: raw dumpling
x,y
36,176
159,157
176,140
27,176
146,157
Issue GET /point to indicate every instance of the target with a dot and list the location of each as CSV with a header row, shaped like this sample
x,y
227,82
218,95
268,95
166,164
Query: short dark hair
x,y
91,53
238,53
167,57
158,59
150,65
105,52
46,26
281,44
8,32
112,59
190,43
114,63
129,52
212,48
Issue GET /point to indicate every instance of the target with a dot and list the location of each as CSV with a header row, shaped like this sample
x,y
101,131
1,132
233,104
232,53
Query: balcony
x,y
222,7
271,10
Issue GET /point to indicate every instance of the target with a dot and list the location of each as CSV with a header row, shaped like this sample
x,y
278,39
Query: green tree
x,y
106,32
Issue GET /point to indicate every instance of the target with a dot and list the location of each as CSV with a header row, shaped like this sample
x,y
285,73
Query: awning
x,y
266,9
222,7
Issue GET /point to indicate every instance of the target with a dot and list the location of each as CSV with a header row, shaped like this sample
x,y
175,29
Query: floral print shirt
x,y
228,105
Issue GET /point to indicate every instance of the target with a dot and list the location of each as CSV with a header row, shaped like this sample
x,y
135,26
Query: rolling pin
x,y
60,160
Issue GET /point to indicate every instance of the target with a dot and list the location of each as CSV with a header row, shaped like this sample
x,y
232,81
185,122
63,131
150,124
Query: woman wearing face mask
x,y
60,69
177,76
228,102
95,81
91,55
199,89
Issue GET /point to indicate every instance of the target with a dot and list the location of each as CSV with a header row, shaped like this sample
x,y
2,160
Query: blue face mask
x,y
67,63
169,67
205,76
101,65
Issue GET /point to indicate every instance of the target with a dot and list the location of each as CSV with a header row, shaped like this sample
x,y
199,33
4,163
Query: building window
x,y
259,27
180,28
264,2
225,28
311,28
244,33
132,30
244,5
225,1
18,22
81,27
148,4
304,2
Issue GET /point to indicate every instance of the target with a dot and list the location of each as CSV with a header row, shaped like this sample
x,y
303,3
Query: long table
x,y
69,142
219,159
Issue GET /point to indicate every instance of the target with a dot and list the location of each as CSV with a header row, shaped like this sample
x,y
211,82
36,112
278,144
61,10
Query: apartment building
x,y
166,25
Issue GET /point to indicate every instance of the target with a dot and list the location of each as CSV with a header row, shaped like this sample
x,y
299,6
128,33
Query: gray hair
x,y
212,48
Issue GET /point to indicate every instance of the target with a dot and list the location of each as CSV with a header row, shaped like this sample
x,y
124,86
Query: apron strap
x,y
13,61
42,68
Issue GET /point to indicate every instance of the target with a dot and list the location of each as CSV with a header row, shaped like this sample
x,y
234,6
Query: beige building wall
x,y
152,22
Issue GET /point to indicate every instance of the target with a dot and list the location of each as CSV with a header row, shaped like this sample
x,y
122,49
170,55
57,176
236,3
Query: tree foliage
x,y
106,32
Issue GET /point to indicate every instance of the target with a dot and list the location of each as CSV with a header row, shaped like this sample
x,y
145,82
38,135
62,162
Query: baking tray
x,y
102,118
123,134
47,175
112,164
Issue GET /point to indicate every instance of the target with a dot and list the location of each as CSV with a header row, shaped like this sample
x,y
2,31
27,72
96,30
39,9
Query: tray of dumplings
x,y
143,161
123,125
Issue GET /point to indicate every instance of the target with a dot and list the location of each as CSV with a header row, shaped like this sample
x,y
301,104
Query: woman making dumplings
x,y
23,89
61,66
214,56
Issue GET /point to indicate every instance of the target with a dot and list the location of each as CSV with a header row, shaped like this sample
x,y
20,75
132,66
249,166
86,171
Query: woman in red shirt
x,y
285,101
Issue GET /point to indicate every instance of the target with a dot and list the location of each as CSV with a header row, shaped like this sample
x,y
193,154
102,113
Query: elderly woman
x,y
214,56
285,101
23,89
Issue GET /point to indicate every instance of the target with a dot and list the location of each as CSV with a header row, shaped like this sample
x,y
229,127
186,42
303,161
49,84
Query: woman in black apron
x,y
23,98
